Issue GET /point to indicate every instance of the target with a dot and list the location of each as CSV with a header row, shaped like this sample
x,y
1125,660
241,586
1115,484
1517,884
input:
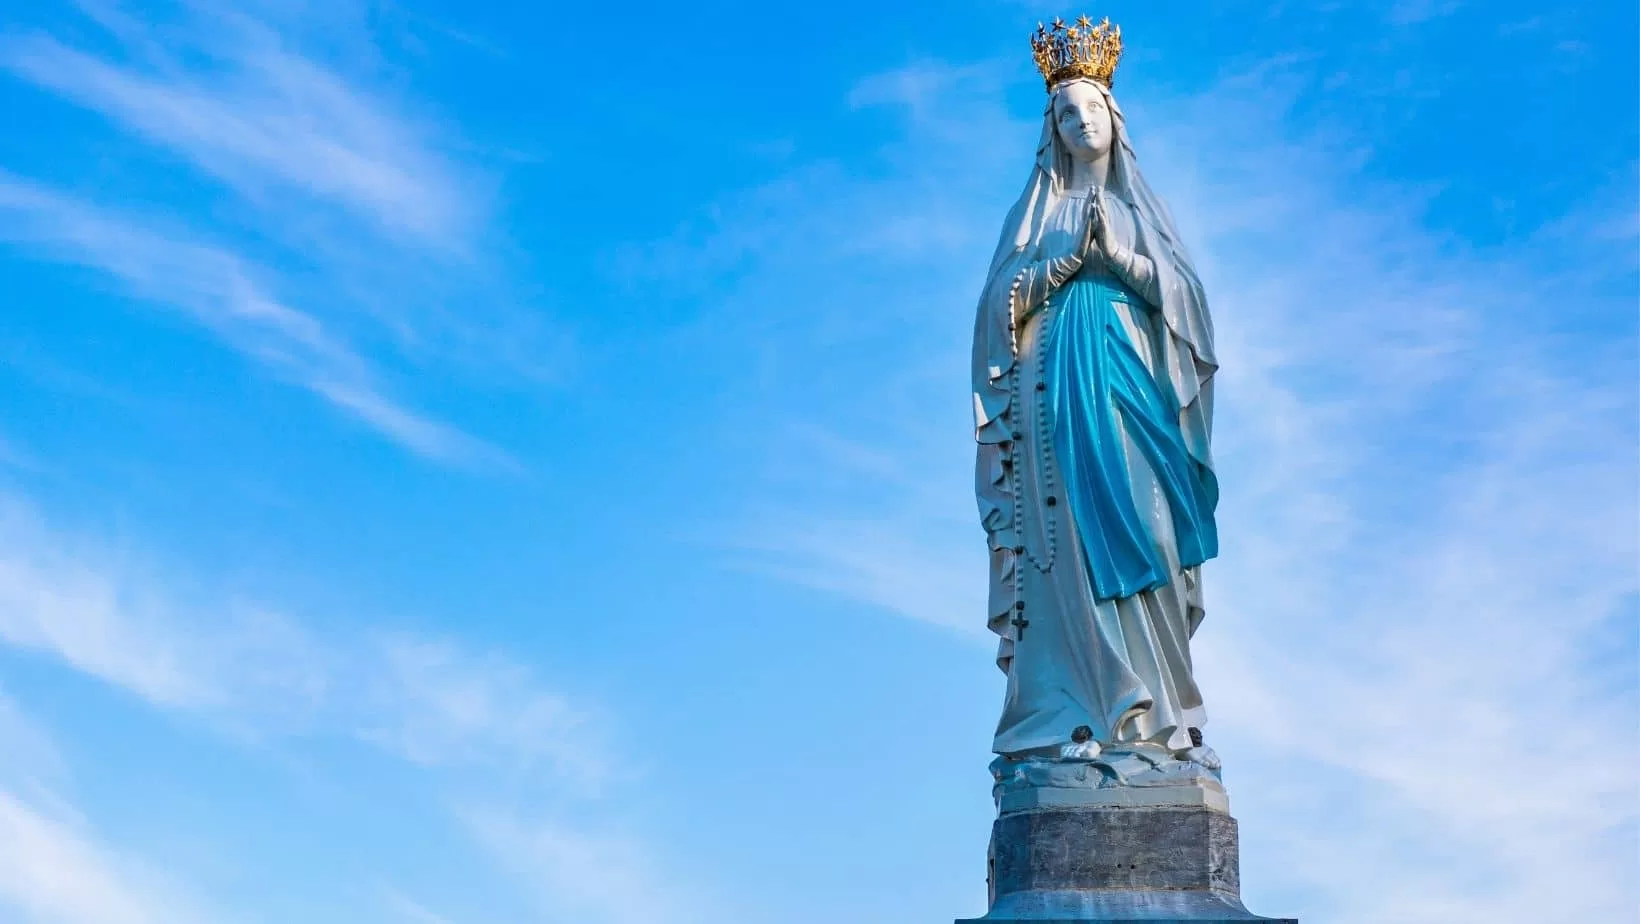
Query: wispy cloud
x,y
347,234
444,705
234,299
54,604
245,108
34,762
584,874
109,611
477,722
420,434
1430,495
409,909
53,871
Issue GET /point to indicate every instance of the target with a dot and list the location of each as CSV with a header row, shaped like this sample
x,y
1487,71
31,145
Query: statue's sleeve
x,y
1038,280
1139,272
995,348
1130,261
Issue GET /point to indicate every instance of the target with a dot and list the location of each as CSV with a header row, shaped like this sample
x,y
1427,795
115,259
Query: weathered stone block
x,y
1114,864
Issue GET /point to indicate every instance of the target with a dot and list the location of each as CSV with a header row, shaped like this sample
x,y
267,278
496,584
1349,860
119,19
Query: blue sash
x,y
1093,374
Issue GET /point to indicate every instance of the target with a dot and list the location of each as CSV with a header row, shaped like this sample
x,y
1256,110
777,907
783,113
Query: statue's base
x,y
1116,863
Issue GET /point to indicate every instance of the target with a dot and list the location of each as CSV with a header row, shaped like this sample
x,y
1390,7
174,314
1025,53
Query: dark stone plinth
x,y
1116,864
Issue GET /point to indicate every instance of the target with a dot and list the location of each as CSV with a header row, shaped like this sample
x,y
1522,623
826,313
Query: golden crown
x,y
1066,52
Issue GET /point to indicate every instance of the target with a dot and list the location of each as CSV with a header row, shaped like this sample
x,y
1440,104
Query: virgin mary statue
x,y
1093,398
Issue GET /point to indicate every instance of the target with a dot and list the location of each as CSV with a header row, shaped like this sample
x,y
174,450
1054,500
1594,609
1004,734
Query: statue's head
x,y
1084,144
1082,119
1078,62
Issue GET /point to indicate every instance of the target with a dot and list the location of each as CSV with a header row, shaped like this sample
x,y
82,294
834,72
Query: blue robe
x,y
1097,387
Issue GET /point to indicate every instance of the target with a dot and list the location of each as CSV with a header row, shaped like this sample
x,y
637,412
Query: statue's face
x,y
1082,118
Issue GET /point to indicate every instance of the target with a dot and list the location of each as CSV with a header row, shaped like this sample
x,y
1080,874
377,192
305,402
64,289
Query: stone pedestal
x,y
1116,863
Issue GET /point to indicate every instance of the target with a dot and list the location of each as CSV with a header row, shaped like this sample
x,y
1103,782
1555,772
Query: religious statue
x,y
1093,403
1093,397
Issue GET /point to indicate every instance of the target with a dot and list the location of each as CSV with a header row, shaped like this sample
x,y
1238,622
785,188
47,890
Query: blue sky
x,y
455,468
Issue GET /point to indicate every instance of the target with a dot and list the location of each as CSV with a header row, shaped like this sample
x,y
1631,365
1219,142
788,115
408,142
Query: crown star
x,y
1084,50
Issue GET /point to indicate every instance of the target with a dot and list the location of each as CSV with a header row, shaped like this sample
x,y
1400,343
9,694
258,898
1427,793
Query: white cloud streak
x,y
260,117
363,230
51,603
579,875
106,612
33,761
445,705
53,871
409,909
475,721
227,295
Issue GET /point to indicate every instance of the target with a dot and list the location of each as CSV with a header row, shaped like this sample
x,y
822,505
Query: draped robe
x,y
1095,484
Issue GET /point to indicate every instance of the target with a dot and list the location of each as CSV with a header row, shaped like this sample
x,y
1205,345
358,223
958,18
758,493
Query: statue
x,y
1093,396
